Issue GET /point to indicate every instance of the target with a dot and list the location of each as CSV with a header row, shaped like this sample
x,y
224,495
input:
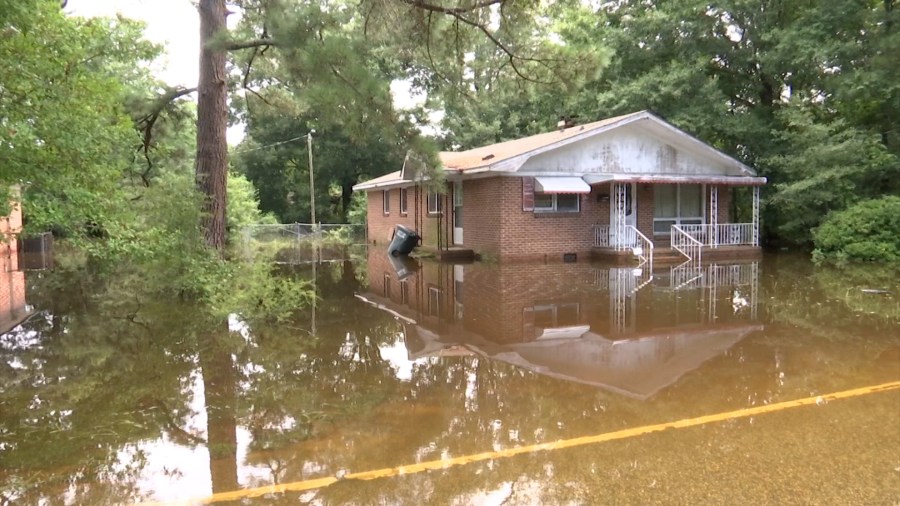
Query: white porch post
x,y
619,201
714,215
756,215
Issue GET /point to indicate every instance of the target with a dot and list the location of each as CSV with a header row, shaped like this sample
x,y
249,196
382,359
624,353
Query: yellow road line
x,y
300,486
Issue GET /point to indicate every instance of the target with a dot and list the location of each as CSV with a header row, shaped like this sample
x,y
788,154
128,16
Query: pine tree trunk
x,y
212,147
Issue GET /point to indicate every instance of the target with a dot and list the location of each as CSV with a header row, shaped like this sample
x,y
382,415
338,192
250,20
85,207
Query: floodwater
x,y
110,398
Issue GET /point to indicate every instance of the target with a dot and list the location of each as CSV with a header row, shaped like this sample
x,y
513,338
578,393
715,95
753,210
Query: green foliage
x,y
830,166
340,160
63,131
359,208
160,251
866,232
803,91
243,205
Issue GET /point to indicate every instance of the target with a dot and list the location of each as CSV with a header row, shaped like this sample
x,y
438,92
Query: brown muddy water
x,y
112,398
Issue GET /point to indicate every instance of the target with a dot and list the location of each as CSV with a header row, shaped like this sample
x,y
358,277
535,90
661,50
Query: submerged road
x,y
813,402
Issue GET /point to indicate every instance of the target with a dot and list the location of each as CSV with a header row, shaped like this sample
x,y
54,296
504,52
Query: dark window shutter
x,y
528,194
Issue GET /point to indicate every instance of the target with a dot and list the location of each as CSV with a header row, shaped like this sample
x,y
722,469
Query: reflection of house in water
x,y
613,327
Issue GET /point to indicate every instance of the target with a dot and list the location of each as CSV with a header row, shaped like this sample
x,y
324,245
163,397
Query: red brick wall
x,y
526,234
380,226
495,225
724,215
482,214
645,204
12,280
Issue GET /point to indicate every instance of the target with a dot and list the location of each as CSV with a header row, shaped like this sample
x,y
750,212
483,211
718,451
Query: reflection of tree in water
x,y
97,372
92,376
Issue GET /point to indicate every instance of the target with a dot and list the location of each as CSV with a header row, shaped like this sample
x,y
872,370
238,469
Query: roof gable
x,y
510,156
490,155
513,156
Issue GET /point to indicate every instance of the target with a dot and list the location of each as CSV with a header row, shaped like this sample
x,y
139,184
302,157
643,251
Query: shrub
x,y
866,232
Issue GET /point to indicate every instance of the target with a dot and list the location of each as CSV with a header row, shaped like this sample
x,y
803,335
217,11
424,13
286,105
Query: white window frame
x,y
681,220
403,196
404,292
435,301
554,207
386,201
435,203
553,310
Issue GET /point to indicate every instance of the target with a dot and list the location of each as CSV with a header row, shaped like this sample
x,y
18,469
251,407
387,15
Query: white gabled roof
x,y
508,156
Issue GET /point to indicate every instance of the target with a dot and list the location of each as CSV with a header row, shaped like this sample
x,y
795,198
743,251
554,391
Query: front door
x,y
457,213
622,215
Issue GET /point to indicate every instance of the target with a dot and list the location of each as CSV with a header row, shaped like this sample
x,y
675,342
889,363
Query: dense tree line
x,y
805,92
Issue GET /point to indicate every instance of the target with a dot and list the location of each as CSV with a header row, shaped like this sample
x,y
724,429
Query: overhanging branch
x,y
146,122
458,13
235,45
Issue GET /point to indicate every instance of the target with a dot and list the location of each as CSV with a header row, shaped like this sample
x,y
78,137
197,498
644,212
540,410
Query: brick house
x,y
12,280
621,186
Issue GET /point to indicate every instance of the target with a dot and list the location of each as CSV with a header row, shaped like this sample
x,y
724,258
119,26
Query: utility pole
x,y
312,188
315,228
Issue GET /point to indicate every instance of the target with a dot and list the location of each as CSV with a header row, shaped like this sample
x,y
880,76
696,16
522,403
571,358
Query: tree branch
x,y
419,4
234,45
146,122
457,14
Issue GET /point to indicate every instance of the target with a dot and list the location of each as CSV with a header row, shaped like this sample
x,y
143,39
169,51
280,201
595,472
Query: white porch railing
x,y
723,234
601,236
632,239
685,243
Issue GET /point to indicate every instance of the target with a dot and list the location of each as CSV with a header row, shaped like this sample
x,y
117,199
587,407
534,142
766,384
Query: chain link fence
x,y
304,242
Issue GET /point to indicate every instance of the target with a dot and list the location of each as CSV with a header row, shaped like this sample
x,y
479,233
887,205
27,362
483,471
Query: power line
x,y
273,144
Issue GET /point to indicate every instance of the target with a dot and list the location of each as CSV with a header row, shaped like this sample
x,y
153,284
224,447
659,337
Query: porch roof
x,y
592,179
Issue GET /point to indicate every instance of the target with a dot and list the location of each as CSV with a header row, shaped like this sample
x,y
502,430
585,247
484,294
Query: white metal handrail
x,y
722,234
632,239
645,250
685,243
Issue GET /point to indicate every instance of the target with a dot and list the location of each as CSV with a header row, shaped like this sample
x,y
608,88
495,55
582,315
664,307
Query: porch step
x,y
667,255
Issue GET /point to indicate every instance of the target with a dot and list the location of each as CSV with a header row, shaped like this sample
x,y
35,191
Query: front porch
x,y
685,227
684,243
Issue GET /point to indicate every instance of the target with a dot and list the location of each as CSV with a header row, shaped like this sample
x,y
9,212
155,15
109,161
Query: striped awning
x,y
561,185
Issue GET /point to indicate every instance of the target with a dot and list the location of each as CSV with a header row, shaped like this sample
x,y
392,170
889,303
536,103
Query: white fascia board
x,y
386,185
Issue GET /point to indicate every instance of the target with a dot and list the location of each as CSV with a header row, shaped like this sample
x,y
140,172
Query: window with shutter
x,y
528,194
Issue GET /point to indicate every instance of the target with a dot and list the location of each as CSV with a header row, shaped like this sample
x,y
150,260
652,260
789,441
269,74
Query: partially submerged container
x,y
403,242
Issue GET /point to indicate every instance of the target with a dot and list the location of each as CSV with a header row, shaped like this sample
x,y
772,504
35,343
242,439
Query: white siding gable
x,y
630,150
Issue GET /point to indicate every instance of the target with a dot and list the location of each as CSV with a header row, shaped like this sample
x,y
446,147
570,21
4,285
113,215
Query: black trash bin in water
x,y
403,242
